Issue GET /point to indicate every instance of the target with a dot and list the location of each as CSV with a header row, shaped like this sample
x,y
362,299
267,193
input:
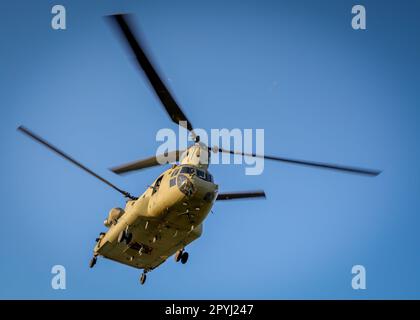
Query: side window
x,y
172,182
174,173
157,185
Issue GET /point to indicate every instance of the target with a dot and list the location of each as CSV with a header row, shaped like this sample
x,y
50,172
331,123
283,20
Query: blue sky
x,y
319,89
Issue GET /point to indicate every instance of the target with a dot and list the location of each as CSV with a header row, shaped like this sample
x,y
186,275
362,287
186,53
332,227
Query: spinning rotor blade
x,y
241,195
146,163
75,162
177,115
346,169
162,92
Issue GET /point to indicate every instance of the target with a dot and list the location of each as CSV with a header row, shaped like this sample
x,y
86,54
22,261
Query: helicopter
x,y
169,215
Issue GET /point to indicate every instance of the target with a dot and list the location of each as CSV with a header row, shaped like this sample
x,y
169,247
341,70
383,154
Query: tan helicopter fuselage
x,y
164,219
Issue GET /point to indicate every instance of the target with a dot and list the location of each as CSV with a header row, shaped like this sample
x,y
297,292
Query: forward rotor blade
x,y
346,169
162,92
75,162
241,195
147,163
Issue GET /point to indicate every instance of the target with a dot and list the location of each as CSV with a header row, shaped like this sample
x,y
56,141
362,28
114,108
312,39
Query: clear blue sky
x,y
321,91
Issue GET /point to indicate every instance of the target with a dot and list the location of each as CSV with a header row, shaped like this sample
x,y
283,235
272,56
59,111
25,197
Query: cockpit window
x,y
205,175
174,173
201,174
187,170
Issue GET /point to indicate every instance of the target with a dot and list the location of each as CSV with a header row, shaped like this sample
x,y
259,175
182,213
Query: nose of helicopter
x,y
203,191
197,200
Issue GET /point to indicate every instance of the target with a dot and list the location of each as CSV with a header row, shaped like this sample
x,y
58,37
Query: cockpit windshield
x,y
200,173
187,170
205,175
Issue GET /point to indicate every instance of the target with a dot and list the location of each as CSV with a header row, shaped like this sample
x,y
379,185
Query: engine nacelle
x,y
113,216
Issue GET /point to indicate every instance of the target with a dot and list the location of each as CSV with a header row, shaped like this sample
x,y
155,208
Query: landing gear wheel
x,y
184,257
178,255
128,238
92,262
143,278
121,236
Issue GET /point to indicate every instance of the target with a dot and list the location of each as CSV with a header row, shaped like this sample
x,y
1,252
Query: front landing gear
x,y
143,277
182,256
92,262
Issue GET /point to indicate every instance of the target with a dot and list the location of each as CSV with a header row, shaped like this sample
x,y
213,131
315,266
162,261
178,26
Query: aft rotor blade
x,y
241,195
147,163
75,162
321,165
144,62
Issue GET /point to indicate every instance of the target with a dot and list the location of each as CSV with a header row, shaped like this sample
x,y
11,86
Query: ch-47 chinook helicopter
x,y
169,215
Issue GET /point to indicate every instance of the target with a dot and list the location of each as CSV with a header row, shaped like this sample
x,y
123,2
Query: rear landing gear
x,y
178,255
182,256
